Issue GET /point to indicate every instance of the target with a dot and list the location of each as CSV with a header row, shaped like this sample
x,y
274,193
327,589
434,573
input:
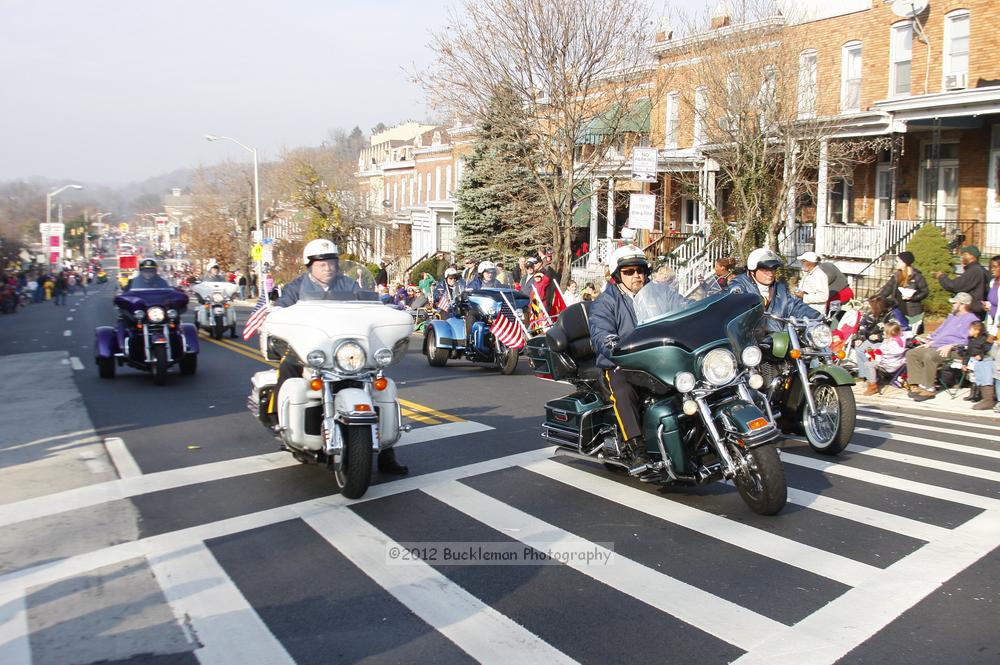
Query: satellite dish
x,y
909,8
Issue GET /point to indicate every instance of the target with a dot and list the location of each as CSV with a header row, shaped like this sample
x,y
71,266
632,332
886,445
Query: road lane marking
x,y
125,487
67,333
474,626
930,419
14,583
717,616
69,318
892,482
833,631
884,434
429,411
925,462
200,592
806,557
15,645
122,458
76,363
876,518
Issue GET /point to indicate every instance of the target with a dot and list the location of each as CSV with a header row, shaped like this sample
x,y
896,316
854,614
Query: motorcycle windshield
x,y
342,281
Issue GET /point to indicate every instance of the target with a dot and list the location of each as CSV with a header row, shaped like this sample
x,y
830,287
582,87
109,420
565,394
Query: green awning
x,y
581,216
636,121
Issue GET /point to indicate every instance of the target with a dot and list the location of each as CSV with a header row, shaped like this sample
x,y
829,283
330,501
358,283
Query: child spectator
x,y
888,356
975,357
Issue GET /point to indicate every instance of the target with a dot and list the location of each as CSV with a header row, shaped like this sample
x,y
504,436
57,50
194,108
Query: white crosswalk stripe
x,y
230,630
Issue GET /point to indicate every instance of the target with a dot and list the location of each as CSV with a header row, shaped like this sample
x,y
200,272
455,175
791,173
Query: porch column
x,y
821,197
706,196
611,208
595,187
791,174
432,246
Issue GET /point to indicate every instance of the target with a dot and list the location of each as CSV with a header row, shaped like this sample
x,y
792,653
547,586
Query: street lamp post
x,y
86,241
259,263
48,214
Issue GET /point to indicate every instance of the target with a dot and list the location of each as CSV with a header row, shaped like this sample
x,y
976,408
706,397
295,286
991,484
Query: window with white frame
x,y
850,77
956,50
807,84
672,119
700,109
900,58
767,99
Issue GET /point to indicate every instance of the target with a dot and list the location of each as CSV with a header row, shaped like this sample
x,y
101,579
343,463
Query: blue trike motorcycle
x,y
149,335
467,334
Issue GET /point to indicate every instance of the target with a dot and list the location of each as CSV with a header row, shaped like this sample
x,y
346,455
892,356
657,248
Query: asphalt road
x,y
194,540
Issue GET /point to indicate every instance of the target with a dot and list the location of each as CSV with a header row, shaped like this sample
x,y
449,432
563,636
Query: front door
x,y
938,186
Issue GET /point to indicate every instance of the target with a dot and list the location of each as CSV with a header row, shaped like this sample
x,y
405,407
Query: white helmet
x,y
451,272
484,266
626,255
321,248
763,258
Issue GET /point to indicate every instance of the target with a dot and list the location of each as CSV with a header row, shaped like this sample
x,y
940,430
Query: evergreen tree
x,y
931,255
500,213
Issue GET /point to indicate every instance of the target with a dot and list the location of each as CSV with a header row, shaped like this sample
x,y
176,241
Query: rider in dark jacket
x,y
452,285
148,278
760,278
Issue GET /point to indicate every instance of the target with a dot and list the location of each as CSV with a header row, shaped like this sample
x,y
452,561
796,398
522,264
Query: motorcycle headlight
x,y
217,297
139,314
156,314
316,358
383,357
820,336
719,367
751,356
684,382
350,357
171,313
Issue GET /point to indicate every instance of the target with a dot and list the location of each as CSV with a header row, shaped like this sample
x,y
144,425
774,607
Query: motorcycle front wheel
x,y
830,429
760,479
159,364
217,328
356,473
506,359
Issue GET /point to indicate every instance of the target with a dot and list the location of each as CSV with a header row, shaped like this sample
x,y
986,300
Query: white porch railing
x,y
600,253
859,241
684,252
800,239
690,274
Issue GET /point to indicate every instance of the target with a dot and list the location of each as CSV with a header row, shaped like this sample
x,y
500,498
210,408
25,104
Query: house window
x,y
900,58
850,77
420,189
447,180
766,98
672,120
807,84
956,50
700,109
437,183
841,204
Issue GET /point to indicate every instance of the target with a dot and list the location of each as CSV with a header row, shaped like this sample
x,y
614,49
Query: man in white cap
x,y
814,287
922,363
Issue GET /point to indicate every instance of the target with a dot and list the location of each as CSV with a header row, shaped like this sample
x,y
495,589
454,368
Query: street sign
x,y
644,164
257,253
641,211
123,227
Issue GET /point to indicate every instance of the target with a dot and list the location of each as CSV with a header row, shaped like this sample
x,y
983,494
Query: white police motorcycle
x,y
215,312
343,409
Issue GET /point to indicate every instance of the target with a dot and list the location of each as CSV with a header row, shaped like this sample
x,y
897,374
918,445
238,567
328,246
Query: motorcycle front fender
x,y
189,338
105,342
836,375
448,333
747,422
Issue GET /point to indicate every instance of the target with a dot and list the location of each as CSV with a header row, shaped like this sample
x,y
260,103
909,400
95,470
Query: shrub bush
x,y
435,267
930,251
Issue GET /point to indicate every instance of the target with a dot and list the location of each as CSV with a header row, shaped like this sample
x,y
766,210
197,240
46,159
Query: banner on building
x,y
641,211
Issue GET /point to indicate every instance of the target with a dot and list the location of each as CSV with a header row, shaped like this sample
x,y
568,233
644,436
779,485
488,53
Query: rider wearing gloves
x,y
322,277
147,277
760,278
612,318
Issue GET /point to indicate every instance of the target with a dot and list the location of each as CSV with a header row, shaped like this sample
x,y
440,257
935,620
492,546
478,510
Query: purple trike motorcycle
x,y
149,335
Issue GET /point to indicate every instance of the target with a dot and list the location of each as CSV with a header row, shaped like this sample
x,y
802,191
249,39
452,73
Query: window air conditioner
x,y
955,81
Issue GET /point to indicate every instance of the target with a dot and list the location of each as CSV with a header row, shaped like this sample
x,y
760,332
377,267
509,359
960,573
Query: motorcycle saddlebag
x,y
261,386
538,354
576,420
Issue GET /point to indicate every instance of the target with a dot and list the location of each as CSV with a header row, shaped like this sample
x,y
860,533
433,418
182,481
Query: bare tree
x,y
223,217
763,116
579,67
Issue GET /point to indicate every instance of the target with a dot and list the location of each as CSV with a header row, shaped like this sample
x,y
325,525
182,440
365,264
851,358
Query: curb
x,y
941,404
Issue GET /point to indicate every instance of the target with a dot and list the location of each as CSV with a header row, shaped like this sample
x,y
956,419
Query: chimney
x,y
664,32
721,16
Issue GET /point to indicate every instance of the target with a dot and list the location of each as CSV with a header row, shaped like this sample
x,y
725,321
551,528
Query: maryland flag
x,y
538,319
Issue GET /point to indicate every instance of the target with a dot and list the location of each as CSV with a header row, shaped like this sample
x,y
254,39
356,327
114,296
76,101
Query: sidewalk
x,y
942,403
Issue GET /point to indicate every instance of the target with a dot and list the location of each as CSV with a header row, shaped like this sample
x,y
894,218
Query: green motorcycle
x,y
695,367
809,395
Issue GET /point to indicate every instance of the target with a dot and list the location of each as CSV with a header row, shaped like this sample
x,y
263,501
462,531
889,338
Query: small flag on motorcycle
x,y
257,316
507,332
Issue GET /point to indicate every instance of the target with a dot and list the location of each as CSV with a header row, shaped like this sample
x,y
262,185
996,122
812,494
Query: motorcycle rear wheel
x,y
159,364
830,430
189,363
356,474
435,357
506,360
762,482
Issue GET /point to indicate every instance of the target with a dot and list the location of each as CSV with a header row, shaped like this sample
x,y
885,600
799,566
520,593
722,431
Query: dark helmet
x,y
148,264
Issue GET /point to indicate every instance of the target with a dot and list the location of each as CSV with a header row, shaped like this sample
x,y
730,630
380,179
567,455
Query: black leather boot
x,y
974,395
387,463
635,450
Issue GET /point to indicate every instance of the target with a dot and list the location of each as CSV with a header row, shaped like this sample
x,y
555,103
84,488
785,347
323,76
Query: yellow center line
x,y
418,412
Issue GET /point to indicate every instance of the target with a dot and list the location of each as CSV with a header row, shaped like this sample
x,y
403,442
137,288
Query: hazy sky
x,y
113,91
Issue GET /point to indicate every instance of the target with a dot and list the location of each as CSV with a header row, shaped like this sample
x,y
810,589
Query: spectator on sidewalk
x,y
907,288
888,356
382,276
814,287
59,288
871,330
242,283
973,279
840,289
976,358
922,363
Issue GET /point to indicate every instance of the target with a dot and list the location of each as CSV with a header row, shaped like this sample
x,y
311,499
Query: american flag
x,y
507,331
445,300
257,316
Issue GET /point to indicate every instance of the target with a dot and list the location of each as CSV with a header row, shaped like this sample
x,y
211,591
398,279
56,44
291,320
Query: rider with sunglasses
x,y
612,318
761,278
